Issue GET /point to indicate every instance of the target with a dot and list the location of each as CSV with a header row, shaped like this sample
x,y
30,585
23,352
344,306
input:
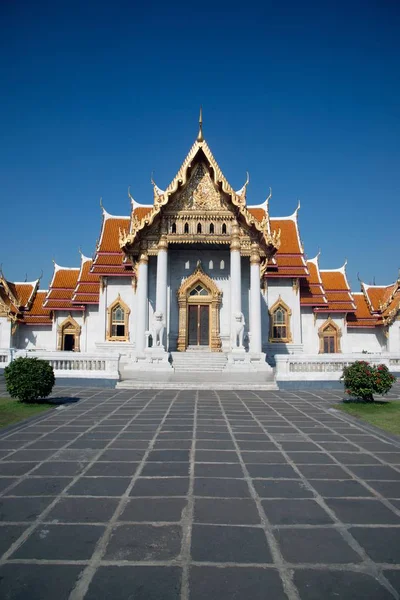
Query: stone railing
x,y
4,357
324,367
78,364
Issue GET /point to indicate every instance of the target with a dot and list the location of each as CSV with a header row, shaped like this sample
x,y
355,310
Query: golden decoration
x,y
213,299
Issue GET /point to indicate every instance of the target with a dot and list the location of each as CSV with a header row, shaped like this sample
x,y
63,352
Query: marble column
x,y
236,276
236,281
142,302
255,300
161,284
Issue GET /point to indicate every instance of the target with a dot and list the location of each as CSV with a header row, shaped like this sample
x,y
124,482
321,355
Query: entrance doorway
x,y
199,325
69,342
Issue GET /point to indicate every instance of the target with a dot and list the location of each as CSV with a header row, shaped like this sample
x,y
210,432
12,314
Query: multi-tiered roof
x,y
324,291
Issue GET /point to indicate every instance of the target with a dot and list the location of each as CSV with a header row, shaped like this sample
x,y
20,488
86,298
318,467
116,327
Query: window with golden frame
x,y
329,338
279,320
118,321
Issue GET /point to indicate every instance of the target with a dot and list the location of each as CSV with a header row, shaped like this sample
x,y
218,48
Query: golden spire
x,y
200,134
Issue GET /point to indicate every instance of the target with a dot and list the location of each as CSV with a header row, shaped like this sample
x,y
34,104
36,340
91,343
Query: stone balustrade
x,y
78,364
325,367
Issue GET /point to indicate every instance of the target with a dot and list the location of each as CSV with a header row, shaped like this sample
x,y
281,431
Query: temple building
x,y
198,278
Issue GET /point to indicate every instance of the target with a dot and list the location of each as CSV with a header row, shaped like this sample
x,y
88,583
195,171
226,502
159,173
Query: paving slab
x,y
189,494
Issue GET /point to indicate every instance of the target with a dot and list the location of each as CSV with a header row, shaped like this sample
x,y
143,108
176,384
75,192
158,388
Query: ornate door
x,y
198,325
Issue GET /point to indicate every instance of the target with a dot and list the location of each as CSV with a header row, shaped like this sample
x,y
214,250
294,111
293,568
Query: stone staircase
x,y
194,361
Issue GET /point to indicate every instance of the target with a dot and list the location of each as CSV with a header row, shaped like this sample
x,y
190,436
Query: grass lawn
x,y
385,415
12,411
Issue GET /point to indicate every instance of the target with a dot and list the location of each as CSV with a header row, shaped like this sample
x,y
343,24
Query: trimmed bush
x,y
29,379
362,380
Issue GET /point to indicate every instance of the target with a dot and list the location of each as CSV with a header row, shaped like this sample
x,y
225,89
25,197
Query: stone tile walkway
x,y
176,495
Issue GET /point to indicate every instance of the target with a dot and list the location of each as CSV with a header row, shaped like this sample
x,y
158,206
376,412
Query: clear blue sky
x,y
97,94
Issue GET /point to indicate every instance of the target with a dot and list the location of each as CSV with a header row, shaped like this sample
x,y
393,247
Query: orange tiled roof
x,y
362,316
38,314
338,292
258,213
88,286
25,292
142,211
312,292
109,257
391,311
61,290
378,296
289,260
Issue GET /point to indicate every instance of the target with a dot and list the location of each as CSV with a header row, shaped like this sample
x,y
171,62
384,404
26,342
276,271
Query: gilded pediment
x,y
199,193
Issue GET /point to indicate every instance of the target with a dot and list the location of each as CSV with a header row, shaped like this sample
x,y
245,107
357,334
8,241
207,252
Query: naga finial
x,y
200,137
101,203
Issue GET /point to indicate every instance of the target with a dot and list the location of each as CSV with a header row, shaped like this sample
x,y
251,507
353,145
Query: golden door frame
x,y
213,299
68,327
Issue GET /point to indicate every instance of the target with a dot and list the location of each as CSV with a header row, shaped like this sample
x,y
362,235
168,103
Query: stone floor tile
x,y
375,472
388,489
23,509
218,470
122,455
40,486
112,469
222,456
161,469
368,511
239,583
144,543
6,481
333,489
263,457
10,469
60,542
393,577
222,487
37,582
382,544
282,489
154,509
323,472
315,545
279,471
331,585
310,458
213,543
355,458
160,486
295,512
226,511
138,583
8,535
83,510
99,486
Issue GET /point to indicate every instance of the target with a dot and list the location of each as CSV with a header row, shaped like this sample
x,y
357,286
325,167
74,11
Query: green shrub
x,y
362,380
29,379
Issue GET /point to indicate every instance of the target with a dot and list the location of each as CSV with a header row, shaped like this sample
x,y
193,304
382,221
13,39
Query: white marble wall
x,y
283,288
29,337
180,266
5,332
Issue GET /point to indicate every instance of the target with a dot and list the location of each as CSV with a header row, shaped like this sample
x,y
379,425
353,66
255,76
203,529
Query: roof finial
x,y
101,203
200,134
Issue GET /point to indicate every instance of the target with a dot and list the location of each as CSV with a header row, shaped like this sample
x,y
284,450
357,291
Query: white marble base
x,y
238,359
258,361
151,360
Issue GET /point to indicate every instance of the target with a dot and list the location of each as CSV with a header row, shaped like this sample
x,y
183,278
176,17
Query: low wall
x,y
78,365
324,367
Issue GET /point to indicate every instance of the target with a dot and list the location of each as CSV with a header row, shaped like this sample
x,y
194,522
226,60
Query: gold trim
x,y
69,327
280,304
261,229
127,310
337,335
214,300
